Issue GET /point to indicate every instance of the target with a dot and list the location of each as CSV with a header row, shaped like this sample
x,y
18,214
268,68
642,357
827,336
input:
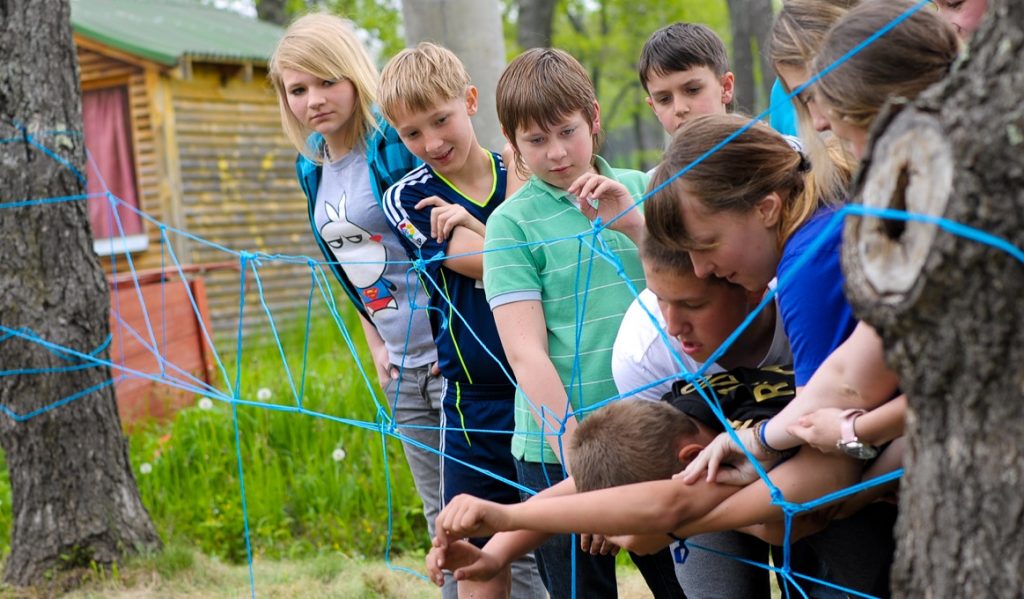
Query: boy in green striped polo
x,y
557,301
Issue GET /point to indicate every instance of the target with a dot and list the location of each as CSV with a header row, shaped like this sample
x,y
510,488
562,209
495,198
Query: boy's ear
x,y
595,127
649,101
689,451
769,209
472,102
728,87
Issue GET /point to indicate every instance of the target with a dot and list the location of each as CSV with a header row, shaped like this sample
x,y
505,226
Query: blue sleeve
x,y
783,114
814,310
412,226
388,158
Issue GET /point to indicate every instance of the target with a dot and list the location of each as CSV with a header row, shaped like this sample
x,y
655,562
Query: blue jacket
x,y
388,161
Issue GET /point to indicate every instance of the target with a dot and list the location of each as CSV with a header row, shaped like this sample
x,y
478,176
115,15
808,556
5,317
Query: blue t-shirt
x,y
814,310
783,115
460,316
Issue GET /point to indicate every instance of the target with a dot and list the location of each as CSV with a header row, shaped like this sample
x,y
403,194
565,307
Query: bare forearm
x,y
511,545
806,476
543,388
466,241
854,376
884,423
373,339
524,337
646,508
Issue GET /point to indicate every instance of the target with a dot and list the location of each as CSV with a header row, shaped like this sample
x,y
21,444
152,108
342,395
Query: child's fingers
x,y
432,201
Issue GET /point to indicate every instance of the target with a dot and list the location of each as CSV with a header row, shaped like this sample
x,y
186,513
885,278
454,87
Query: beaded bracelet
x,y
763,443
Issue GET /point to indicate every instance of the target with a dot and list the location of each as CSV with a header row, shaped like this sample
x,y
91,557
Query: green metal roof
x,y
166,30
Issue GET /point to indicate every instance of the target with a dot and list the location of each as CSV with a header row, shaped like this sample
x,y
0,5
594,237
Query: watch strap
x,y
847,434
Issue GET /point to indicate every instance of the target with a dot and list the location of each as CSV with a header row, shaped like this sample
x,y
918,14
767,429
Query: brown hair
x,y
327,47
542,87
628,441
659,256
796,36
419,79
733,178
680,47
904,62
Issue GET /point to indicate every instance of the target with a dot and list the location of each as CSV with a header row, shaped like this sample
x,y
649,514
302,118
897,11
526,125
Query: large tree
x,y
74,498
535,23
472,30
951,314
750,22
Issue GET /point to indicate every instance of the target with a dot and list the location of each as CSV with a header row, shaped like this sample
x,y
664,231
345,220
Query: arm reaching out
x,y
523,332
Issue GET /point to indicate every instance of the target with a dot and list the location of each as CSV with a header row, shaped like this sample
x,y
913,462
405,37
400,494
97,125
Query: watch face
x,y
856,449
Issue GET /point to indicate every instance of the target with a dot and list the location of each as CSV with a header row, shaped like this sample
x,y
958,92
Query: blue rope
x,y
591,244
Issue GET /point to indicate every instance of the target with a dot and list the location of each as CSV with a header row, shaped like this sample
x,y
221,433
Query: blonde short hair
x,y
418,79
327,47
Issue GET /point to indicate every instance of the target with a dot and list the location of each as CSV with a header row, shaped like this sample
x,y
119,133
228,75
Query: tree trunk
x,y
273,11
74,498
535,23
950,312
472,30
750,22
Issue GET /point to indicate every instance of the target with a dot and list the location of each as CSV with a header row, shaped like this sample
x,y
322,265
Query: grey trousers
x,y
708,575
415,401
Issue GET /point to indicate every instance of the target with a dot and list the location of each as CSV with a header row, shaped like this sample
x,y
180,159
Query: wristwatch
x,y
848,442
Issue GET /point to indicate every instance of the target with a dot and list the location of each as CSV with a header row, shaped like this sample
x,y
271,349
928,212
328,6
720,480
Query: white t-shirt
x,y
641,356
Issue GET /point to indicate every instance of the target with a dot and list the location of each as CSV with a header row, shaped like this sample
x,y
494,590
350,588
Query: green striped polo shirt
x,y
539,246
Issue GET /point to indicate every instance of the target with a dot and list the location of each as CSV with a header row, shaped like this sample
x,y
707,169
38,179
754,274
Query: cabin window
x,y
116,228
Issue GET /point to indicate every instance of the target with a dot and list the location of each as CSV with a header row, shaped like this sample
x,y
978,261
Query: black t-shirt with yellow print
x,y
746,395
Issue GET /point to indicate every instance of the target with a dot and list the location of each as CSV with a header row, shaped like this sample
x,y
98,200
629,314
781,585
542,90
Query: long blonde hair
x,y
797,34
734,178
904,62
327,47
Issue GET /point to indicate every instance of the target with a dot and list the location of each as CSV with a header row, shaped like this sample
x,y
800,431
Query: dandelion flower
x,y
338,455
263,394
206,403
145,468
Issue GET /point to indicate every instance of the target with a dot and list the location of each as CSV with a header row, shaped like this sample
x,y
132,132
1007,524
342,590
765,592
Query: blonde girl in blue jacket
x,y
326,86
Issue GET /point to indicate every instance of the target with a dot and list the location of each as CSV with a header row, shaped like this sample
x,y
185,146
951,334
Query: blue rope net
x,y
251,264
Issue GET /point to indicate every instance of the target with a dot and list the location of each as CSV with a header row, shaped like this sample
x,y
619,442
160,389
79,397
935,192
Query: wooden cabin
x,y
182,123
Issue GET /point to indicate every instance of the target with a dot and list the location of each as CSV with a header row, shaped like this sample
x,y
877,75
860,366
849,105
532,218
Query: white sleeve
x,y
639,356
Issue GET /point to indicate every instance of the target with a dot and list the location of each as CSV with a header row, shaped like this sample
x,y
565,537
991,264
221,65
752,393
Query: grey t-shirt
x,y
353,225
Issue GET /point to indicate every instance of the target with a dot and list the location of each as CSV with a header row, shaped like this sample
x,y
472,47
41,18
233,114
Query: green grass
x,y
184,573
301,501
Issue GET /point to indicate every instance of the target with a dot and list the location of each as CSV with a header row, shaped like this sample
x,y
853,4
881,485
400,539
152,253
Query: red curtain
x,y
108,138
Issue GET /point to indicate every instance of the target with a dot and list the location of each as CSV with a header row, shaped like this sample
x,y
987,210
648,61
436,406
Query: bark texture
x,y
750,22
273,11
951,314
74,498
535,22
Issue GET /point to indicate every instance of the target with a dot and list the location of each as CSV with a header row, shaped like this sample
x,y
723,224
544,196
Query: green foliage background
x,y
604,35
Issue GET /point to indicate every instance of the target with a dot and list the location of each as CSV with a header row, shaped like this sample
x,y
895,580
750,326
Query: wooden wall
x,y
238,190
211,160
